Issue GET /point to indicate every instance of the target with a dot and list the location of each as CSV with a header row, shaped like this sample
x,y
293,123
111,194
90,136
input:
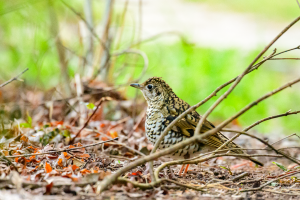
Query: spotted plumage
x,y
163,107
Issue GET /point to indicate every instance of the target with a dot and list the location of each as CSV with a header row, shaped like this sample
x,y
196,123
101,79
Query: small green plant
x,y
28,123
90,106
280,166
227,168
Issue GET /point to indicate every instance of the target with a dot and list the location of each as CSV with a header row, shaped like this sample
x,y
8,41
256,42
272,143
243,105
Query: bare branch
x,y
13,79
266,143
126,146
245,109
255,124
62,150
87,122
272,117
284,59
87,24
221,98
139,52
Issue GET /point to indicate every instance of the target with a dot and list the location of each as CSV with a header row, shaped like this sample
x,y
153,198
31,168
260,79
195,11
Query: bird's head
x,y
155,90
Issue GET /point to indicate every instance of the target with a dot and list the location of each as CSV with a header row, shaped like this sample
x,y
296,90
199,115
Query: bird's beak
x,y
136,85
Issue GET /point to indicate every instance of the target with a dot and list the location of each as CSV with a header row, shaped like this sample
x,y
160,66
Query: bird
x,y
164,106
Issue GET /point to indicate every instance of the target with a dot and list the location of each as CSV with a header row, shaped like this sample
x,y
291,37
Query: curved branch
x,y
221,98
271,117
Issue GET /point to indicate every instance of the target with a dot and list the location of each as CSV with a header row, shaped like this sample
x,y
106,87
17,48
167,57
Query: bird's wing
x,y
188,124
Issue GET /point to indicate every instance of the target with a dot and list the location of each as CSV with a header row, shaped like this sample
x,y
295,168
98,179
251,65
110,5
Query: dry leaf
x,y
114,134
48,168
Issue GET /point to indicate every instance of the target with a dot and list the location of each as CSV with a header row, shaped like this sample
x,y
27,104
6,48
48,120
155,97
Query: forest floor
x,y
40,161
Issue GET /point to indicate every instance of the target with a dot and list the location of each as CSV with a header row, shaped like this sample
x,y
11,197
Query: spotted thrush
x,y
163,107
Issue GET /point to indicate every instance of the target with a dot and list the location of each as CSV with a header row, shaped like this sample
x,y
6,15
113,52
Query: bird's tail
x,y
239,151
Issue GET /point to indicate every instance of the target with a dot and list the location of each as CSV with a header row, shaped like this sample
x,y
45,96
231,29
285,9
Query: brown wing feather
x,y
191,120
188,124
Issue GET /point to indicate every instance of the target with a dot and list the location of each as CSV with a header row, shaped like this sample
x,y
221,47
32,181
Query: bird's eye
x,y
149,87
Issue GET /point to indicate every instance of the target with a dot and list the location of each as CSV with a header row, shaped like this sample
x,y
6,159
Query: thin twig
x,y
139,52
61,150
13,79
267,183
87,122
254,103
242,175
255,124
271,117
140,185
271,56
266,143
284,59
90,145
222,97
126,146
91,29
249,181
158,182
184,185
285,138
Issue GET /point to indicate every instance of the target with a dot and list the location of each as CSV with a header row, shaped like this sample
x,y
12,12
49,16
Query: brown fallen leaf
x,y
48,168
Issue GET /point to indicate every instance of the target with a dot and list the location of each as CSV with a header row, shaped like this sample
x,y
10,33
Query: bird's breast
x,y
154,125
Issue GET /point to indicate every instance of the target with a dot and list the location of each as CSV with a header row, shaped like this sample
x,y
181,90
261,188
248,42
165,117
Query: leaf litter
x,y
38,159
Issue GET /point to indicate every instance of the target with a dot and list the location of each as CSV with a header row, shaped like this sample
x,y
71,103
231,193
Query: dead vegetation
x,y
74,147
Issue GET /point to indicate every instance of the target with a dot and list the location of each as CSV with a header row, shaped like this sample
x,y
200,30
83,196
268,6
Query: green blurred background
x,y
191,68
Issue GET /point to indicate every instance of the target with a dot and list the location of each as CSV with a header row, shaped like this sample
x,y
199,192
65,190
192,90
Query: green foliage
x,y
281,166
192,71
228,169
90,106
28,123
66,134
294,178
